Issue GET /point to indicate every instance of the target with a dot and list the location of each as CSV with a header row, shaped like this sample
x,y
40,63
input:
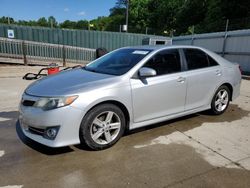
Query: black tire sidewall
x,y
213,108
85,136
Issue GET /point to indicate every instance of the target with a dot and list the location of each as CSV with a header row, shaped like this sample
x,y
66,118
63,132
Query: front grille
x,y
28,103
35,130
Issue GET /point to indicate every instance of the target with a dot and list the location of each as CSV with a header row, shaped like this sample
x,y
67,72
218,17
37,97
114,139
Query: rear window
x,y
197,59
212,62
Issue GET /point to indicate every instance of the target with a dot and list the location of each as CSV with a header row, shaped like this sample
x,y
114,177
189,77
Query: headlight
x,y
55,102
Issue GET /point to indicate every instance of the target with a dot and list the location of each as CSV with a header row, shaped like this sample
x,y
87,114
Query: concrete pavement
x,y
199,150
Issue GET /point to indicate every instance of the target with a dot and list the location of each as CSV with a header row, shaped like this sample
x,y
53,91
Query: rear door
x,y
163,94
203,76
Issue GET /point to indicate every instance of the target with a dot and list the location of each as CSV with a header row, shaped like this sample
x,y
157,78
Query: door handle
x,y
218,72
181,79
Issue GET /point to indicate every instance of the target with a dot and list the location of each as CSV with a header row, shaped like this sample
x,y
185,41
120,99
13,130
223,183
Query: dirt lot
x,y
195,151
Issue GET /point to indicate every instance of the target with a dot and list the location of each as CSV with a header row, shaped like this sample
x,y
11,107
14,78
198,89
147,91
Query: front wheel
x,y
102,126
220,100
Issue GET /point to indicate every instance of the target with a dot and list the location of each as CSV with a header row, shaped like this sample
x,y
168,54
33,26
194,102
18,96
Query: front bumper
x,y
67,119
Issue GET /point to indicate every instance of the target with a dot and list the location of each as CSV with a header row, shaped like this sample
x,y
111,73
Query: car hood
x,y
69,82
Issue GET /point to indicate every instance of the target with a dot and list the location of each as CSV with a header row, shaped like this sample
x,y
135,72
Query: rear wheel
x,y
102,126
220,100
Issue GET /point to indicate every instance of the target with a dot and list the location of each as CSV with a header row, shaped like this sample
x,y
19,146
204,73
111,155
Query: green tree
x,y
138,15
68,24
101,23
81,24
52,21
42,22
7,20
220,10
190,13
162,14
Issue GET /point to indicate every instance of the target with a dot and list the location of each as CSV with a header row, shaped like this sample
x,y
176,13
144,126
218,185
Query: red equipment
x,y
53,68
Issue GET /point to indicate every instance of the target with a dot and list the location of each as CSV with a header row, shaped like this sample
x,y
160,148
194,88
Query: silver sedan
x,y
126,89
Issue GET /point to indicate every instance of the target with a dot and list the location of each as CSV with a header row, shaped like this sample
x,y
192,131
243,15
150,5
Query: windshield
x,y
118,62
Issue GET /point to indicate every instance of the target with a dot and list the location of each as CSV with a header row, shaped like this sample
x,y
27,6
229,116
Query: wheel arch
x,y
118,104
230,87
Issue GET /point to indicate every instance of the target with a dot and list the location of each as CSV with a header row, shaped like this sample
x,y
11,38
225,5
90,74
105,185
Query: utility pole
x,y
8,20
51,23
227,25
127,15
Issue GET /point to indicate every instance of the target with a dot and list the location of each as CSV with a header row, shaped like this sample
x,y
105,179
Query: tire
x,y
102,127
220,100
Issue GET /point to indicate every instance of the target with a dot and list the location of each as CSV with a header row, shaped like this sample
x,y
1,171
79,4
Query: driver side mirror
x,y
146,72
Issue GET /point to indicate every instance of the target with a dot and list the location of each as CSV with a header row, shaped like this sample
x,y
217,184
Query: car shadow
x,y
234,112
161,124
185,123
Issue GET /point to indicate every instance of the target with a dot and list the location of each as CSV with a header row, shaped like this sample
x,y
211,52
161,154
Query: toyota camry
x,y
126,89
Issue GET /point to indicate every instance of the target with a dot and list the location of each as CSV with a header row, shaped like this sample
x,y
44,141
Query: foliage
x,y
163,17
6,20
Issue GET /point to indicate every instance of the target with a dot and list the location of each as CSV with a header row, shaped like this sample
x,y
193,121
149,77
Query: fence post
x,y
64,56
225,39
24,53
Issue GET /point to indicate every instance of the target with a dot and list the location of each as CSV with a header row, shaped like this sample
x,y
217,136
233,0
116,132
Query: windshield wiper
x,y
90,70
100,72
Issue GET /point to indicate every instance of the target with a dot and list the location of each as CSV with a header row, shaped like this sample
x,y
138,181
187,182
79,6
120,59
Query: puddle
x,y
178,138
1,153
4,119
6,116
213,137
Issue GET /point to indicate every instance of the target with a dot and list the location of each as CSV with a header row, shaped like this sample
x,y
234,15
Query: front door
x,y
163,94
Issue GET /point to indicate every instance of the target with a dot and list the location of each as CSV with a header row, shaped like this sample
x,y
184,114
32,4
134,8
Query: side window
x,y
196,59
212,62
165,62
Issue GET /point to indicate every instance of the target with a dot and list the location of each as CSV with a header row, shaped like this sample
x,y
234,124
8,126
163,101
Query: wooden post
x,y
64,56
24,53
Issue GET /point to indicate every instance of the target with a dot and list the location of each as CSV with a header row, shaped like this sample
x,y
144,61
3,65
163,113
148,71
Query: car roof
x,y
158,47
161,47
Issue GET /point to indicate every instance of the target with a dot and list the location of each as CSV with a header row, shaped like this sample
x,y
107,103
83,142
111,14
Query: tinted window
x,y
165,62
117,62
158,42
196,59
212,62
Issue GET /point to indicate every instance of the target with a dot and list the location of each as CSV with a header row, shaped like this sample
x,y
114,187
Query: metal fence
x,y
232,45
29,52
70,37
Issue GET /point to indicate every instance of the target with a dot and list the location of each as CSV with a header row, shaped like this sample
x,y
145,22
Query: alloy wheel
x,y
105,127
221,100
